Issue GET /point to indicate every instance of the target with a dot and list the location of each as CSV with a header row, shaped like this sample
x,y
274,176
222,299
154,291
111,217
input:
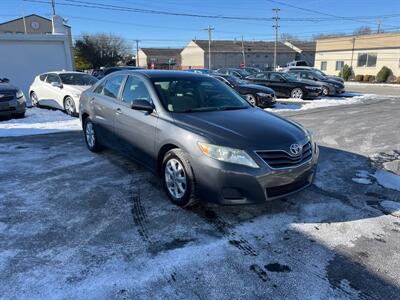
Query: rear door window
x,y
112,86
43,77
53,78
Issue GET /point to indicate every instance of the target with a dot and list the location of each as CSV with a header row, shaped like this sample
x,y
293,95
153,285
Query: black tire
x,y
93,145
69,106
325,91
189,197
34,99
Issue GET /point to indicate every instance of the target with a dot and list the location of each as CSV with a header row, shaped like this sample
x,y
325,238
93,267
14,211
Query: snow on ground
x,y
372,84
296,104
39,121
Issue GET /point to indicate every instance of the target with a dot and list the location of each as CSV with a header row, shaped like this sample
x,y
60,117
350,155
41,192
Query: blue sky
x,y
161,30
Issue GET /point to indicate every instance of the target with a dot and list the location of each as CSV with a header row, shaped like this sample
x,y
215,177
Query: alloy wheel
x,y
297,93
69,106
175,178
325,91
251,99
90,135
34,99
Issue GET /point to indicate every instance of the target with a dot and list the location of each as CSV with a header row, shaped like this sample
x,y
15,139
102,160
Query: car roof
x,y
162,74
63,72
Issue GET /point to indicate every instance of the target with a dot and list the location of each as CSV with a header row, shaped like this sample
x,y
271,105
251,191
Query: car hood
x,y
252,129
78,89
334,82
256,87
336,78
6,87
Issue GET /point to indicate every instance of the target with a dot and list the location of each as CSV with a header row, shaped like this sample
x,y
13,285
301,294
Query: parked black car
x,y
252,70
12,100
329,87
240,73
337,78
286,85
106,71
256,95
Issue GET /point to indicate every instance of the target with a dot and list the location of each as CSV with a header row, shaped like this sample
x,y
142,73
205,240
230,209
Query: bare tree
x,y
101,49
363,30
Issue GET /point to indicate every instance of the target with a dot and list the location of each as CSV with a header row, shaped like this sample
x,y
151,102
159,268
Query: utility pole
x,y
53,5
209,29
243,54
276,27
379,25
137,53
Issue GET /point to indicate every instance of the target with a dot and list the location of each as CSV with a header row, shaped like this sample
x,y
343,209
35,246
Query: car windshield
x,y
235,80
197,95
319,76
289,76
243,73
77,79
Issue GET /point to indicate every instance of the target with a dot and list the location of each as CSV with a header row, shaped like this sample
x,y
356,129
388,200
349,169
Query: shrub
x,y
391,79
383,74
366,78
346,72
372,78
359,77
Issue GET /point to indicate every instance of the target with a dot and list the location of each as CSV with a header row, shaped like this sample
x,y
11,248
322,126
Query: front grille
x,y
286,189
4,97
279,159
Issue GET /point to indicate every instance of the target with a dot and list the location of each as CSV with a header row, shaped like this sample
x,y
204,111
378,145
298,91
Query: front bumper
x,y
232,184
311,94
266,101
15,106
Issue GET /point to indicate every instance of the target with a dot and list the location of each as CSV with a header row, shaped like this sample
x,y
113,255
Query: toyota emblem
x,y
295,149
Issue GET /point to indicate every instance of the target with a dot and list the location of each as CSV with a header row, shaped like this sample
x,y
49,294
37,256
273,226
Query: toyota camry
x,y
202,138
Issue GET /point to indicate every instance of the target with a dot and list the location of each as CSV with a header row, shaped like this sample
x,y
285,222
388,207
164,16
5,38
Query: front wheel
x,y
69,106
90,136
34,99
325,91
178,178
251,99
296,93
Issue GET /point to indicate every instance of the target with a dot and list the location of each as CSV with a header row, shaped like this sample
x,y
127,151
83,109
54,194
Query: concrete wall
x,y
22,57
386,46
193,56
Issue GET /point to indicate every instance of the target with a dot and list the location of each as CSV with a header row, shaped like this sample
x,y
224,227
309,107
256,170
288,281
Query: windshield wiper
x,y
231,107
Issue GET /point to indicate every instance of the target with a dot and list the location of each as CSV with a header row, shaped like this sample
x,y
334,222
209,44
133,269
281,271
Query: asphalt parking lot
x,y
74,224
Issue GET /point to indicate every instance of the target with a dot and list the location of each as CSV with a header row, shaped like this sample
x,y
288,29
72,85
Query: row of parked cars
x,y
62,89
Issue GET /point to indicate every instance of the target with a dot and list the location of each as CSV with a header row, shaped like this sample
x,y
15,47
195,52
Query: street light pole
x,y
53,5
276,26
209,29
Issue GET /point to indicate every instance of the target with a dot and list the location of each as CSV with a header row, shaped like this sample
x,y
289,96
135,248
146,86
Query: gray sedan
x,y
203,139
12,100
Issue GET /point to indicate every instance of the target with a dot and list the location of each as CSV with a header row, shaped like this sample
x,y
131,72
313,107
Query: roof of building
x,y
255,46
171,52
31,15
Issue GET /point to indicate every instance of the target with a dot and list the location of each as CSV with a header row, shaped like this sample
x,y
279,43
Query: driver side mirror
x,y
57,84
5,80
140,104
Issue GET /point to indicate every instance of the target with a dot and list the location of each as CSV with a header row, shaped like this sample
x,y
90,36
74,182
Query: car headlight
x,y
264,95
226,154
20,94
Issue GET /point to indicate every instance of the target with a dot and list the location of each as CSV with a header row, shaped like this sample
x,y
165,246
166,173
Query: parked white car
x,y
60,90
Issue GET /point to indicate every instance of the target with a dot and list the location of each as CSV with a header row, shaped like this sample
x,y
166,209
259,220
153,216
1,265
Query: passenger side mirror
x,y
141,104
57,84
5,80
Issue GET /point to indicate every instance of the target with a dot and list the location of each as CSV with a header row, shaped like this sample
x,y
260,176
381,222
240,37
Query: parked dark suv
x,y
12,100
203,139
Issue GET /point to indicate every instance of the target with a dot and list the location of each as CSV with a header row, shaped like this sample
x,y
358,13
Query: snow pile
x,y
39,121
323,102
387,179
372,84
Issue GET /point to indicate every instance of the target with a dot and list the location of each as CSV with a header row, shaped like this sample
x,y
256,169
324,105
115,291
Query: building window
x,y
324,65
367,59
339,65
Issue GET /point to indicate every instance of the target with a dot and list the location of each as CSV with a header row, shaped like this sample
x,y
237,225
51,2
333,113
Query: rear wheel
x,y
90,136
69,106
34,99
251,99
296,93
178,178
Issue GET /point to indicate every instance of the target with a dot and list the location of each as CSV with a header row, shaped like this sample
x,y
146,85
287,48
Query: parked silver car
x,y
12,100
203,139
